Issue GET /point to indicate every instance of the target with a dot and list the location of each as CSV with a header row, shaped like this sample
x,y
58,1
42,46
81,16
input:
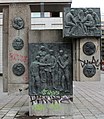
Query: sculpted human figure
x,y
64,65
88,21
50,60
95,17
60,62
42,52
18,23
35,78
70,21
80,18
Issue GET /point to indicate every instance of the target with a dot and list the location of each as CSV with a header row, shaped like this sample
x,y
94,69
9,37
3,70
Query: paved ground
x,y
88,102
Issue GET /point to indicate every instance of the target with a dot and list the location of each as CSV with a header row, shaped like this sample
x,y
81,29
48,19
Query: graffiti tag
x,y
18,57
93,61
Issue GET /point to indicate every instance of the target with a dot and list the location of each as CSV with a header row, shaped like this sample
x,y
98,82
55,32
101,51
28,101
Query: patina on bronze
x,y
89,48
18,43
82,22
89,70
18,23
50,69
18,69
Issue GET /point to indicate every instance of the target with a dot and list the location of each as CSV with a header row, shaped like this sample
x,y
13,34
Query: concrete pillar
x,y
18,82
74,60
77,60
90,64
5,48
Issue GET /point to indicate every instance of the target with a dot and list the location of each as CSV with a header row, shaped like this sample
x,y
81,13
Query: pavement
x,y
88,102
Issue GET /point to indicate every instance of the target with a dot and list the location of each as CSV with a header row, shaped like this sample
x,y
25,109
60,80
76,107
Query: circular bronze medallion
x,y
18,69
89,48
18,43
18,23
89,70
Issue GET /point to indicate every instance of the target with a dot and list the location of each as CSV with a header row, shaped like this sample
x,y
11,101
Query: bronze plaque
x,y
82,22
50,69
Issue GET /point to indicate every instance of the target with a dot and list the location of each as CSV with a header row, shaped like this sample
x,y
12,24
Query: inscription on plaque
x,y
18,23
89,48
82,22
50,69
18,69
18,43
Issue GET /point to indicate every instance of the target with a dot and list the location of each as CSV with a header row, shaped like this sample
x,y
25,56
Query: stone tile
x,y
11,113
91,117
1,115
8,117
78,117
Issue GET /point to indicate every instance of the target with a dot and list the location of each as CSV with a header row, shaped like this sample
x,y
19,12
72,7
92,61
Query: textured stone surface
x,y
5,46
45,36
82,22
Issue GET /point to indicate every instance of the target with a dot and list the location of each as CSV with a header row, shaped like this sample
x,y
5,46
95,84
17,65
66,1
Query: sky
x,y
89,3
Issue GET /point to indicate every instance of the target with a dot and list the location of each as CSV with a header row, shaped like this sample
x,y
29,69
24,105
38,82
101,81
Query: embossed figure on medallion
x,y
18,43
89,70
89,48
18,69
50,69
18,23
81,22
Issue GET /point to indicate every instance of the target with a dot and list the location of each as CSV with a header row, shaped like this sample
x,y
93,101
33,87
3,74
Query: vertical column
x,y
5,48
90,59
77,60
19,24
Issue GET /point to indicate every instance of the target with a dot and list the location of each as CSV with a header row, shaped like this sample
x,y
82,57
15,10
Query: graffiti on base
x,y
50,99
93,61
89,67
18,57
50,92
39,103
40,107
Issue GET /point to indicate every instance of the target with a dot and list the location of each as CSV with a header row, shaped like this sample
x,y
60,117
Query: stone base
x,y
50,109
18,88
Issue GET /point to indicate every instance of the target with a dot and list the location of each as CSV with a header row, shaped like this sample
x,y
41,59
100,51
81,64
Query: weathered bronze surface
x,y
18,43
89,70
89,48
50,69
82,22
18,69
18,23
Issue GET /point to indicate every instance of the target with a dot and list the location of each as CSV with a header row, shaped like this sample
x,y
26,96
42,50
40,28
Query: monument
x,y
50,74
